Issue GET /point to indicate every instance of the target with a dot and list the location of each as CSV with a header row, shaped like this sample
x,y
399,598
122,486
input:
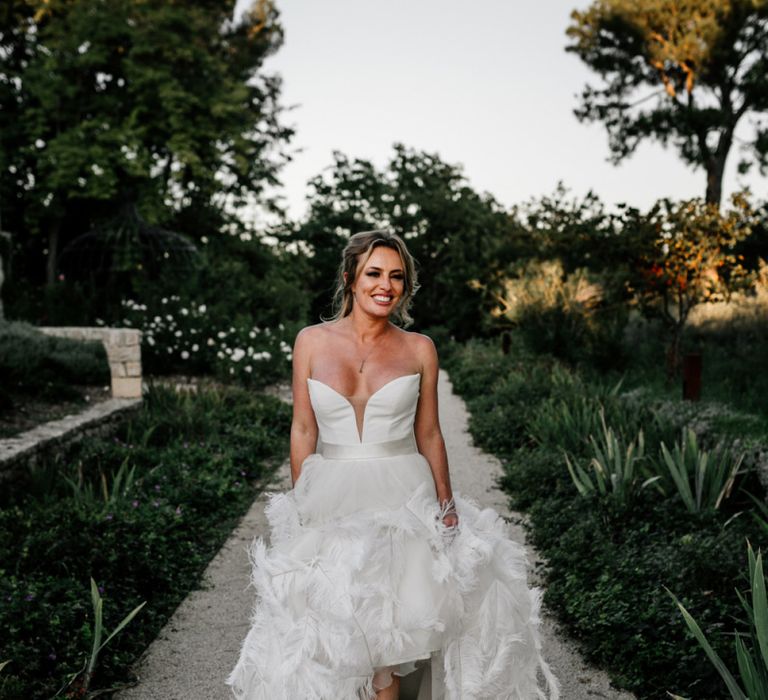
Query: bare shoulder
x,y
422,347
310,335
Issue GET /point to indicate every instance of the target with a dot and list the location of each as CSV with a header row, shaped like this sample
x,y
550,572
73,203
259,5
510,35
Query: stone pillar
x,y
123,346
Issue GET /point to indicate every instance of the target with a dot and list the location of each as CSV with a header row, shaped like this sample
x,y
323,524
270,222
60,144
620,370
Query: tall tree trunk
x,y
716,168
715,171
53,252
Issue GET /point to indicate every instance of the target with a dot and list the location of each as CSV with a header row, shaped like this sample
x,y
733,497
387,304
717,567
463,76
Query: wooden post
x,y
692,377
506,342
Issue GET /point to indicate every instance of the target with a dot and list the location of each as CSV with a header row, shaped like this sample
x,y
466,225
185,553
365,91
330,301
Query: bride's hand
x,y
451,520
448,513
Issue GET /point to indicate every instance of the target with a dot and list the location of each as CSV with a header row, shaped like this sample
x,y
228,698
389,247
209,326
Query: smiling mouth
x,y
381,299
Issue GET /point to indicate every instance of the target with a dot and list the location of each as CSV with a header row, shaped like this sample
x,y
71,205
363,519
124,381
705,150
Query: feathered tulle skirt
x,y
363,579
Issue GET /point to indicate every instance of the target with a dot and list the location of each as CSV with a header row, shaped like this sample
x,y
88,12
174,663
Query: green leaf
x,y
717,662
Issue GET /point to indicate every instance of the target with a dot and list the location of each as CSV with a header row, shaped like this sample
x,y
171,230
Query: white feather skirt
x,y
363,580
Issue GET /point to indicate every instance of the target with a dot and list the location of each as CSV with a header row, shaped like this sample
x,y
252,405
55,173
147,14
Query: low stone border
x,y
53,439
123,346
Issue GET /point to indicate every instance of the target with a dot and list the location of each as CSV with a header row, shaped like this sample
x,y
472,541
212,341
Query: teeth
x,y
382,298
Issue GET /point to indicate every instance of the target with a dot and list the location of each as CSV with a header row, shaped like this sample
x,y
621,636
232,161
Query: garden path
x,y
200,643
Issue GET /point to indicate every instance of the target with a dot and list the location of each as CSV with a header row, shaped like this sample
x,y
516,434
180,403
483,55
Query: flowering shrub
x,y
182,336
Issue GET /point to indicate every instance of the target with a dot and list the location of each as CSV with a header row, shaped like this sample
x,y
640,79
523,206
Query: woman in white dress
x,y
376,568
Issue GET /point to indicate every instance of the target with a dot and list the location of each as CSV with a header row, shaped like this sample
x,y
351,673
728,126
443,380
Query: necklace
x,y
365,358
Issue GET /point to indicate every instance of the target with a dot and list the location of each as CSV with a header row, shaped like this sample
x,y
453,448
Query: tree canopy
x,y
455,233
155,103
682,73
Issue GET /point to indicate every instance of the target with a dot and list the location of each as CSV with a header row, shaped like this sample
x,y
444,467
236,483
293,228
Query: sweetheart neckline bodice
x,y
360,420
344,396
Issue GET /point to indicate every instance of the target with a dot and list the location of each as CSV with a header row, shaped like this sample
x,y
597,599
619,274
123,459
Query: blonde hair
x,y
356,253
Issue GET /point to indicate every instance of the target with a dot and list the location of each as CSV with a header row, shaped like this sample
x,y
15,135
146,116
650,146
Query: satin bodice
x,y
388,414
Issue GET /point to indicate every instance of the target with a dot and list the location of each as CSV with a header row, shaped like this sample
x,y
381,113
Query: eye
x,y
372,274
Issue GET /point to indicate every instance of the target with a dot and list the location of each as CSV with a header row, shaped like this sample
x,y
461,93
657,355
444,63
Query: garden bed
x,y
142,514
611,557
29,411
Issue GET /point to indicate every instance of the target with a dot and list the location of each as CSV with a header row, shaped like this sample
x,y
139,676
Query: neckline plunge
x,y
360,430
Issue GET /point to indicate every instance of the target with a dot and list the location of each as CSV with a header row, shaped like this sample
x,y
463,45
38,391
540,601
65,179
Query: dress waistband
x,y
369,450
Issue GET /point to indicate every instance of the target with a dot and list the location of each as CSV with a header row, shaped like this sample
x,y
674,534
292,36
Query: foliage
x,y
34,363
197,462
615,467
607,558
752,658
681,73
684,256
187,337
565,315
79,684
159,104
702,479
454,233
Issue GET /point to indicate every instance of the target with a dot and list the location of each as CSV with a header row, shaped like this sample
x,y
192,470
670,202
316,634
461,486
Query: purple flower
x,y
101,589
242,472
237,483
29,596
156,504
52,656
135,503
109,516
157,487
178,510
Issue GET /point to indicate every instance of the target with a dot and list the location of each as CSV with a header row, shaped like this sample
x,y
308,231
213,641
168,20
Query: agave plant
x,y
615,469
752,654
80,680
564,423
703,479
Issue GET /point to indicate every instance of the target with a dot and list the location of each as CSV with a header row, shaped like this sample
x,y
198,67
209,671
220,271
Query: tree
x,y
685,255
454,233
155,103
685,73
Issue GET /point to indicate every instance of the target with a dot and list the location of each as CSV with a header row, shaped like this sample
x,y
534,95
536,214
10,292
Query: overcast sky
x,y
487,85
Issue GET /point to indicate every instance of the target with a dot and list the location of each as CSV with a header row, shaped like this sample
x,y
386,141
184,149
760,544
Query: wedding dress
x,y
363,579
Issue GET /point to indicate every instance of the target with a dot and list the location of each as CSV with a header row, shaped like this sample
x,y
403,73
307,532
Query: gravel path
x,y
200,643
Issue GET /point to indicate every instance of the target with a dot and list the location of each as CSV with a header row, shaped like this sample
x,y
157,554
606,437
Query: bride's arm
x,y
429,437
303,424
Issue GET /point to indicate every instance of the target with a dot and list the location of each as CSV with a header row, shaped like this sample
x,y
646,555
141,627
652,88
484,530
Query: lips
x,y
382,299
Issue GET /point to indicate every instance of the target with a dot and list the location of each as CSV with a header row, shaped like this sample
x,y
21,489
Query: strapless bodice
x,y
388,415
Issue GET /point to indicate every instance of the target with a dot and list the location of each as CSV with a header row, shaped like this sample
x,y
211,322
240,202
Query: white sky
x,y
486,84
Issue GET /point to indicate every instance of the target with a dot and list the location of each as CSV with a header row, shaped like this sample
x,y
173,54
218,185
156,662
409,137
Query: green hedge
x,y
34,363
198,463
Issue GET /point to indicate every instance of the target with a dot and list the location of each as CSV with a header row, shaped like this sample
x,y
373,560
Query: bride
x,y
376,569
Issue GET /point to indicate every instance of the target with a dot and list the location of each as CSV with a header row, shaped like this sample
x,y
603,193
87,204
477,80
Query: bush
x,y
34,363
179,336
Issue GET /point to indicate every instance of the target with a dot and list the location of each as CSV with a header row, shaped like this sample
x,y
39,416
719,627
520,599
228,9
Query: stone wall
x,y
53,441
123,347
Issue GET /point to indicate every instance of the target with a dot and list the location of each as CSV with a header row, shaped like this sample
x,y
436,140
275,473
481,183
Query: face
x,y
380,282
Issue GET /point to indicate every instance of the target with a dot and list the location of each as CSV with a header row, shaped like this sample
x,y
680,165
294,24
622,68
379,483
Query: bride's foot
x,y
391,692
